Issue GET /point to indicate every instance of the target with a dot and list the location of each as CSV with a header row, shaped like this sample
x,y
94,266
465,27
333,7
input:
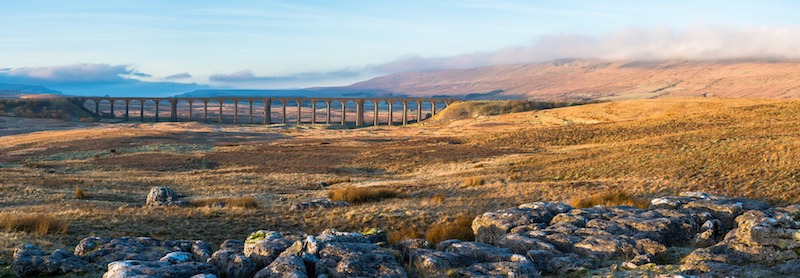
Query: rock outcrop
x,y
164,196
724,236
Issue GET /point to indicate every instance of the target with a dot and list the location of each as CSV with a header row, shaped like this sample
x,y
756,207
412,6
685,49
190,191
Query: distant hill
x,y
17,90
578,79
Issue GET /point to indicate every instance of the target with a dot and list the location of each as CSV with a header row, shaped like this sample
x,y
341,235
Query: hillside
x,y
17,90
601,80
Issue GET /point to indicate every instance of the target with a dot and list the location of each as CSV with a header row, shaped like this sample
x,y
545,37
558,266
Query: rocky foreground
x,y
728,236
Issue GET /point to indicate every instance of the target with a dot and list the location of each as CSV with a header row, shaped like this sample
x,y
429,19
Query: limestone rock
x,y
265,250
164,196
130,268
29,260
490,226
433,262
177,257
284,267
521,244
500,269
480,252
233,264
352,259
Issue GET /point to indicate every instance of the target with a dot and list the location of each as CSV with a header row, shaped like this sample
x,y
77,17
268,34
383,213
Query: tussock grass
x,y
337,180
360,194
610,198
36,224
79,194
237,202
404,232
459,228
474,181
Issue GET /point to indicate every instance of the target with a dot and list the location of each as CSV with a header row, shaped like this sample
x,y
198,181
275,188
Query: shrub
x,y
37,224
459,228
360,194
237,202
474,181
610,198
405,232
79,193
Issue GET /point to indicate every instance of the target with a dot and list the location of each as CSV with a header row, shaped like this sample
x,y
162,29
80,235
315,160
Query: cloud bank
x,y
177,76
77,73
693,43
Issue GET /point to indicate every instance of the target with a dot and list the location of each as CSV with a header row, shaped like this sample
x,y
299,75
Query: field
x,y
94,177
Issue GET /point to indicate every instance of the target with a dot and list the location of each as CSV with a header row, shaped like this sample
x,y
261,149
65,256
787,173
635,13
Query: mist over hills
x,y
558,80
17,90
583,79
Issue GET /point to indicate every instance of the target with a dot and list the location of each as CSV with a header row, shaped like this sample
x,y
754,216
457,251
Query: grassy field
x,y
421,176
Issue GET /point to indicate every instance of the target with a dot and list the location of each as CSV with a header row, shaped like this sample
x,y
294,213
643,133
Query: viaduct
x,y
85,103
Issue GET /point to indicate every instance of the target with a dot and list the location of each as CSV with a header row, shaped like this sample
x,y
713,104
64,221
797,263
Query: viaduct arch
x,y
378,107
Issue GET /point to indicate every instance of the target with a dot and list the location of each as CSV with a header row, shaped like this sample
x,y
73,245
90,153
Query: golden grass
x,y
474,181
459,228
405,232
610,198
236,202
36,224
79,194
360,194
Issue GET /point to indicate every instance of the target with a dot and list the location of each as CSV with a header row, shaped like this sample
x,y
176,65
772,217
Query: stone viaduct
x,y
85,103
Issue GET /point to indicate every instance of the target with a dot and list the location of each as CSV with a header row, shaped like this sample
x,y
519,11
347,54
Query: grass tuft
x,y
237,202
474,181
360,194
459,228
610,198
405,232
37,224
79,194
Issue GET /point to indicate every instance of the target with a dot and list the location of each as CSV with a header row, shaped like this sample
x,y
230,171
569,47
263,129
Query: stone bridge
x,y
267,104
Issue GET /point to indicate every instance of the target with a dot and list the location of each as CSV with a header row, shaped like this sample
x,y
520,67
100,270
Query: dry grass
x,y
36,224
337,180
459,228
610,198
405,232
361,194
474,181
79,194
236,202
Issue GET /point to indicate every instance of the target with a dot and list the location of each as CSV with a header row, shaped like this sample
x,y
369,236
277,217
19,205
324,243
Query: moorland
x,y
82,179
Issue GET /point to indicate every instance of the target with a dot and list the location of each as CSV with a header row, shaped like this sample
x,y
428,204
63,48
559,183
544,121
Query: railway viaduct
x,y
267,104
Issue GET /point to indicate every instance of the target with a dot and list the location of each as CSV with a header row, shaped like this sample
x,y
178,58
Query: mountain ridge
x,y
587,79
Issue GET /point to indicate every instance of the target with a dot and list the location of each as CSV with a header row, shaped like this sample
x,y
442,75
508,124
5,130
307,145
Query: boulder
x,y
319,204
201,250
126,269
266,249
490,226
233,264
604,248
352,259
284,267
500,269
164,196
433,262
521,244
480,252
29,260
177,257
104,251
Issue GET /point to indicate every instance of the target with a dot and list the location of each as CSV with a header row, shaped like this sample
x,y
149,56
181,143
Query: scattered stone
x,y
177,257
125,269
284,266
164,196
29,260
233,264
319,203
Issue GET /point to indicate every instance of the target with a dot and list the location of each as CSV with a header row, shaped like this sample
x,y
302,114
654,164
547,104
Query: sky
x,y
173,46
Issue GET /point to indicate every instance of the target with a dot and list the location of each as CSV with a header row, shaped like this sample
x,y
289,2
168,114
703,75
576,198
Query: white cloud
x,y
182,75
695,43
76,73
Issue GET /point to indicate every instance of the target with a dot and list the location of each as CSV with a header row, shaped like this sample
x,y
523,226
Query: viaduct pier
x,y
262,109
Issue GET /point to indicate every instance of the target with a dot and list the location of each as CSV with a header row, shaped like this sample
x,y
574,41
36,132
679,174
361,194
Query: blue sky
x,y
286,44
